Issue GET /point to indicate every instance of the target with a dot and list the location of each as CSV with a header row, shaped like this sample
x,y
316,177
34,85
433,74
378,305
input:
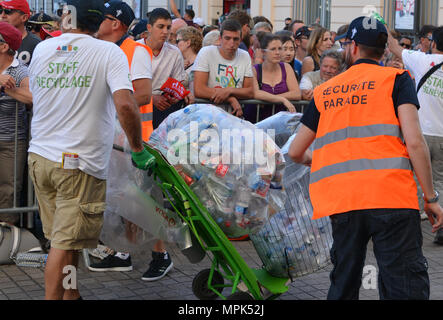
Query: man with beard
x,y
367,134
245,21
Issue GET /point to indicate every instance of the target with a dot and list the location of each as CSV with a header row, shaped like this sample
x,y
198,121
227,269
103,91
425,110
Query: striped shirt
x,y
18,71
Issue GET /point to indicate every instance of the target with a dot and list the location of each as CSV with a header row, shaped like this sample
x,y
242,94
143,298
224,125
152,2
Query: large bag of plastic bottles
x,y
233,167
135,216
284,125
291,244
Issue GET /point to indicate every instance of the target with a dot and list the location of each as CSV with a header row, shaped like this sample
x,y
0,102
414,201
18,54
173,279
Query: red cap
x,y
45,33
11,35
21,5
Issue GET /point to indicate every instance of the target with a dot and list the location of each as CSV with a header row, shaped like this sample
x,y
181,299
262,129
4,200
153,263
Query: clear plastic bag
x,y
283,123
291,244
134,218
233,167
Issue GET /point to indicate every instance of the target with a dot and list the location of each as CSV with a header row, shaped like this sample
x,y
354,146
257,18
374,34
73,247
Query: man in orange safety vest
x,y
367,142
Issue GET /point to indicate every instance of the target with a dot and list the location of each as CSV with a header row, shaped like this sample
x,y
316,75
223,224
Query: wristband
x,y
432,200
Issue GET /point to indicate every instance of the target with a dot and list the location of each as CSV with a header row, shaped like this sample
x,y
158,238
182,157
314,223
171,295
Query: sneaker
x,y
160,265
439,237
100,252
423,216
116,262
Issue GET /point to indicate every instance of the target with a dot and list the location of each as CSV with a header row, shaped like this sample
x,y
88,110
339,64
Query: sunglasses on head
x,y
8,11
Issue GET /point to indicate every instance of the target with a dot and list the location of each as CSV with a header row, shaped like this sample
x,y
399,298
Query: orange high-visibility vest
x,y
128,46
359,159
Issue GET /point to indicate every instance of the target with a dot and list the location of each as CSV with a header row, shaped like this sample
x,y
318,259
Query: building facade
x,y
329,13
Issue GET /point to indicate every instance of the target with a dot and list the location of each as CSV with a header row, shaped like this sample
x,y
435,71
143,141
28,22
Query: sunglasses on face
x,y
405,45
344,44
8,11
110,18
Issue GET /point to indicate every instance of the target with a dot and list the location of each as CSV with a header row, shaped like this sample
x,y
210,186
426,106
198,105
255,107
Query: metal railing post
x,y
260,104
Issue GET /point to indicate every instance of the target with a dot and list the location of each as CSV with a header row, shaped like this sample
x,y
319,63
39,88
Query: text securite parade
x,y
341,95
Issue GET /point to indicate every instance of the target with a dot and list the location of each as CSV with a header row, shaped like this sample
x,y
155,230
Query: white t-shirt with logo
x,y
223,73
430,95
72,79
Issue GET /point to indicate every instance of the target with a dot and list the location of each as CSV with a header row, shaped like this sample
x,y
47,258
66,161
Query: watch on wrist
x,y
432,200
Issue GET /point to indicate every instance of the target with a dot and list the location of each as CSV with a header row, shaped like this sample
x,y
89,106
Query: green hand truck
x,y
228,268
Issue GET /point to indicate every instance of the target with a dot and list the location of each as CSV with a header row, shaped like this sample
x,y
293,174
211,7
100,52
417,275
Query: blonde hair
x,y
315,40
193,34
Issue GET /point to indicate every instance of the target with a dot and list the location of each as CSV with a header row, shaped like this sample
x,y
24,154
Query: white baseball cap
x,y
199,21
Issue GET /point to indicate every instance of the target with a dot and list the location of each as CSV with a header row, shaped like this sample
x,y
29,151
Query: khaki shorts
x,y
71,204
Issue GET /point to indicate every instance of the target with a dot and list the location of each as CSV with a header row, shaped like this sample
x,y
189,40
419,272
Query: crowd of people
x,y
242,58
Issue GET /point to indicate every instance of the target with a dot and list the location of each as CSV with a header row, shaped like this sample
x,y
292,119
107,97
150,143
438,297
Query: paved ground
x,y
28,283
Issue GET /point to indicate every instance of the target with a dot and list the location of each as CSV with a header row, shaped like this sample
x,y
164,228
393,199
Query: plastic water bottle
x,y
241,205
259,185
190,170
378,17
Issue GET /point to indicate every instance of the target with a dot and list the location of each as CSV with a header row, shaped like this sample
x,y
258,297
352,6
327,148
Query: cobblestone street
x,y
28,283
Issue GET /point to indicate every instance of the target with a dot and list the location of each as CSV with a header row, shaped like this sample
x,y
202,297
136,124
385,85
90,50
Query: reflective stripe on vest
x,y
128,46
359,159
358,132
360,165
146,116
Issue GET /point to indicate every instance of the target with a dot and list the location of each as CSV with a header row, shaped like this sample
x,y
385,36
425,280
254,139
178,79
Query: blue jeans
x,y
397,241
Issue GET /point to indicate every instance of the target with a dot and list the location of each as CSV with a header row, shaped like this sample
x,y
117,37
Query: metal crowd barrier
x,y
31,202
299,105
27,212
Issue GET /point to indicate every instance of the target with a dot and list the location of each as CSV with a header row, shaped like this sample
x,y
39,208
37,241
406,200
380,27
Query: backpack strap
x,y
427,75
259,68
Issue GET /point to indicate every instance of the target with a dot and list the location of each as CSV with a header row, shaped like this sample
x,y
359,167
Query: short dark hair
x,y
268,38
241,17
374,52
343,29
395,34
285,33
208,29
230,25
406,37
158,13
437,37
294,22
90,24
427,28
285,37
190,13
258,19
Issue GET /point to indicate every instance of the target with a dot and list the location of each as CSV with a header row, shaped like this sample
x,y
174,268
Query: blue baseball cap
x,y
120,10
366,31
139,28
